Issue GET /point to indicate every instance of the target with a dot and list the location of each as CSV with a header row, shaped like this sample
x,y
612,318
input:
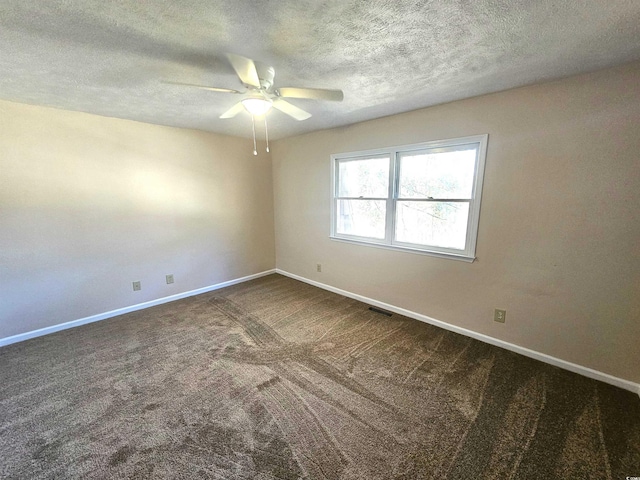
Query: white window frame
x,y
393,153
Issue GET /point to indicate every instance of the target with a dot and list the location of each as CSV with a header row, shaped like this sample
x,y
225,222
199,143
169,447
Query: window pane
x,y
437,175
368,177
365,218
440,224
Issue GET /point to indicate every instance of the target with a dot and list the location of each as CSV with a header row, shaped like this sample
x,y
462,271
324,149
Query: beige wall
x,y
89,204
559,238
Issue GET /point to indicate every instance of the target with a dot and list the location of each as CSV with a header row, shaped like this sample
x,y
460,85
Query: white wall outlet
x,y
137,286
318,267
169,279
499,316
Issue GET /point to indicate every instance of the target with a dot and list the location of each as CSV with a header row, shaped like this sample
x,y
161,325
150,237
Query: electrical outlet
x,y
499,315
169,279
137,286
319,267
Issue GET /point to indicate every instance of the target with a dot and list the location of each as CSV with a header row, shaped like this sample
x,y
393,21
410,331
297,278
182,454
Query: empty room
x,y
320,239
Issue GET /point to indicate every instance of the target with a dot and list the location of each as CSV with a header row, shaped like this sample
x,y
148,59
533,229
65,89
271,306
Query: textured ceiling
x,y
388,56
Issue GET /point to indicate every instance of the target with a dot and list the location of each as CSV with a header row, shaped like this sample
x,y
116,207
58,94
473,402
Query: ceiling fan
x,y
261,95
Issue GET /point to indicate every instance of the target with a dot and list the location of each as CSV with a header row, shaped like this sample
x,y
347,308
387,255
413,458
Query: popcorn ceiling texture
x,y
108,58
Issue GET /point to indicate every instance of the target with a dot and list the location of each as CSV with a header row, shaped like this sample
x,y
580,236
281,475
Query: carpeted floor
x,y
276,379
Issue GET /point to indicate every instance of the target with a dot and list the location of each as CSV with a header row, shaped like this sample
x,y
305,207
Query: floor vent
x,y
378,310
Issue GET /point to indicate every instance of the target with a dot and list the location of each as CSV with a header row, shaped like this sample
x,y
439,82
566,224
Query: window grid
x,y
393,200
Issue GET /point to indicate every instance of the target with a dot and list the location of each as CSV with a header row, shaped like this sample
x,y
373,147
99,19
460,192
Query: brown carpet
x,y
276,379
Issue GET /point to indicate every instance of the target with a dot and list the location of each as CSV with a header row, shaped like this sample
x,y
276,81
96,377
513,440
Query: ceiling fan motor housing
x,y
266,74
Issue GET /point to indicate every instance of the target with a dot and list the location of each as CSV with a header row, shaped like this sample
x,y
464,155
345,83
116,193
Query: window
x,y
423,198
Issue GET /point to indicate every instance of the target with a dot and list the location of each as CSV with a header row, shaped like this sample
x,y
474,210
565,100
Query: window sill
x,y
398,248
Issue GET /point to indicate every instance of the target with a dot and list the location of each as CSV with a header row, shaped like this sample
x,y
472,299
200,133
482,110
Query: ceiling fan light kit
x,y
257,106
258,79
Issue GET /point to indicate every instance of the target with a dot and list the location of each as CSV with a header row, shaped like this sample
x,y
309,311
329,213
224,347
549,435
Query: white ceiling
x,y
388,56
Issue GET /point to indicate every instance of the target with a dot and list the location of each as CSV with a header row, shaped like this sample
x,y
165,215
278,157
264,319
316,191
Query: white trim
x,y
543,357
399,248
394,154
121,311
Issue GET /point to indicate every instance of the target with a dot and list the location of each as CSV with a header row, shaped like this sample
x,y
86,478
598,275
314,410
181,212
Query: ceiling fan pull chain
x,y
253,127
266,132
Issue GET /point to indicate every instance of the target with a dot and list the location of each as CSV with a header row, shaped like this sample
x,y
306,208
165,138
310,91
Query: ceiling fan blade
x,y
204,87
233,111
245,68
290,109
311,93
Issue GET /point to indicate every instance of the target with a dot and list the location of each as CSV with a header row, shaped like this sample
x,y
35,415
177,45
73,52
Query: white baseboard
x,y
121,311
572,367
